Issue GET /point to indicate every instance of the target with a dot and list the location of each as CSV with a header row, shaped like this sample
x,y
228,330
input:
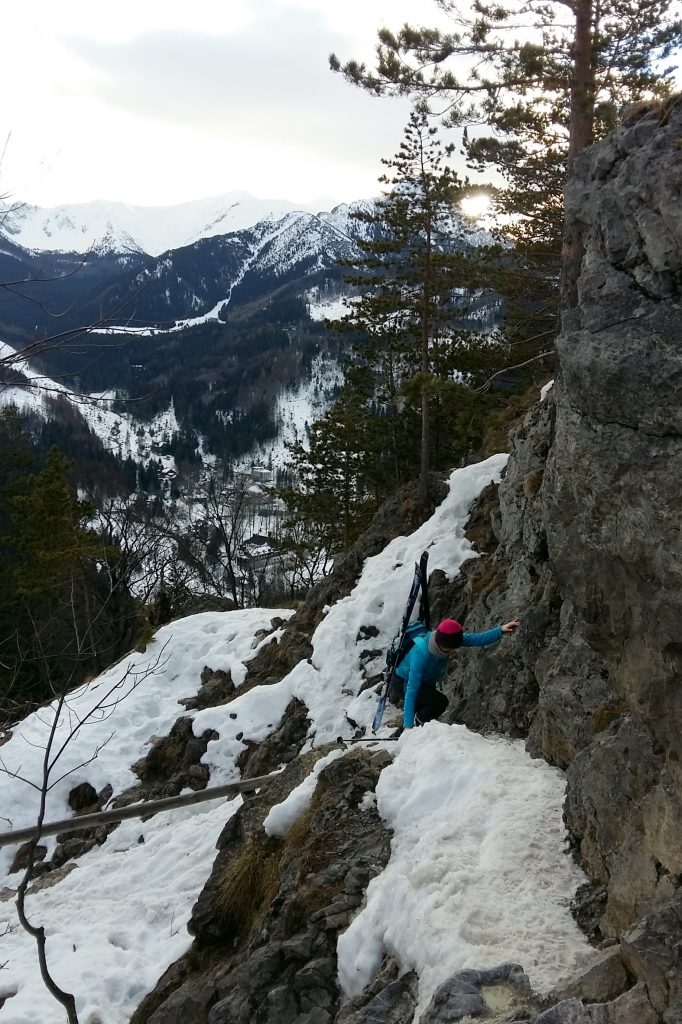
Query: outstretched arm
x,y
490,636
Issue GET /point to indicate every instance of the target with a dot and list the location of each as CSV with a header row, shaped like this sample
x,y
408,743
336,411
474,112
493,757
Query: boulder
x,y
471,994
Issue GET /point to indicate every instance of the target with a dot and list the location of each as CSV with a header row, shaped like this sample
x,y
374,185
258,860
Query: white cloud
x,y
158,102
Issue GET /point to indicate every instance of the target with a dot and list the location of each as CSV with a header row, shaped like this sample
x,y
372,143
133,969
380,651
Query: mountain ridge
x,y
110,226
221,326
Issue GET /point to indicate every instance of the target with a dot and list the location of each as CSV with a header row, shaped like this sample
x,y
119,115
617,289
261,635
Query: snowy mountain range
x,y
135,267
212,307
104,227
110,227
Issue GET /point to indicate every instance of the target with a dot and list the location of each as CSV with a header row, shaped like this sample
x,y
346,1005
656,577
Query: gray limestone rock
x,y
611,496
171,764
390,999
633,1007
600,983
652,952
281,1005
468,994
268,918
317,1015
315,973
185,1005
216,688
280,747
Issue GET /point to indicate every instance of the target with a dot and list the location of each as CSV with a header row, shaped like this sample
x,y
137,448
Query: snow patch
x,y
478,873
120,919
282,816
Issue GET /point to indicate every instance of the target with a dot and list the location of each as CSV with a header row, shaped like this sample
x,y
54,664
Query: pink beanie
x,y
449,634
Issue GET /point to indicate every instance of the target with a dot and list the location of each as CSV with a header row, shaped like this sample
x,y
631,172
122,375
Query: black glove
x,y
397,733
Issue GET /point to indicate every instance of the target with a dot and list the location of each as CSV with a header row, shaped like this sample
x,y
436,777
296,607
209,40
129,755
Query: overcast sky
x,y
155,102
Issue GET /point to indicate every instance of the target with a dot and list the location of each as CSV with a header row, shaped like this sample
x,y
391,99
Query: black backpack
x,y
415,629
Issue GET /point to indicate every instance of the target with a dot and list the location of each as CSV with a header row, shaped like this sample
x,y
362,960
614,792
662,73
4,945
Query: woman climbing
x,y
417,677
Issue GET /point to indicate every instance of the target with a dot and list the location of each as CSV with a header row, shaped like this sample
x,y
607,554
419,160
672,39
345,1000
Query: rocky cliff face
x,y
582,539
612,501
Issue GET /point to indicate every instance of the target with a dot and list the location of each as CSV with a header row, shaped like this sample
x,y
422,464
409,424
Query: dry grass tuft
x,y
249,884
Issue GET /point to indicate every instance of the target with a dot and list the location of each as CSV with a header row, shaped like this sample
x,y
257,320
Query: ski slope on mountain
x,y
477,874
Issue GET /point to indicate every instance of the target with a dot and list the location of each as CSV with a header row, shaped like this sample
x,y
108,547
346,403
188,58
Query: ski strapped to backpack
x,y
405,639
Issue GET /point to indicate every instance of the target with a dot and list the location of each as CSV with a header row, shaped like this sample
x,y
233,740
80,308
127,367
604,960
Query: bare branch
x,y
500,373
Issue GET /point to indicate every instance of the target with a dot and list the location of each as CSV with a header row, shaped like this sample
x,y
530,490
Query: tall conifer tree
x,y
64,611
410,308
341,479
544,78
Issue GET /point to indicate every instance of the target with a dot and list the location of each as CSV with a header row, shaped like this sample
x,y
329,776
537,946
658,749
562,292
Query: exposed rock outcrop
x,y
587,548
216,688
611,503
267,920
172,764
280,747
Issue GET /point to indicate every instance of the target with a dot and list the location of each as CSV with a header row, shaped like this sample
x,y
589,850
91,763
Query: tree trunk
x,y
66,999
425,331
424,472
346,502
580,135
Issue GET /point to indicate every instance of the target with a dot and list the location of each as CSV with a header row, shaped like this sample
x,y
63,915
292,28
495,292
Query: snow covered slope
x,y
478,872
195,284
295,409
128,437
120,434
108,226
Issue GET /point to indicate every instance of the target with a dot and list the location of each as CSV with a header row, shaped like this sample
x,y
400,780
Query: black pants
x,y
430,704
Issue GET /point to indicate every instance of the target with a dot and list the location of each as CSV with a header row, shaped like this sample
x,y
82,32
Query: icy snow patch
x,y
282,816
478,873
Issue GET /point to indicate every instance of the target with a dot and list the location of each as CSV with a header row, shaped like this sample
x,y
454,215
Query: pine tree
x,y
547,78
64,612
341,475
411,273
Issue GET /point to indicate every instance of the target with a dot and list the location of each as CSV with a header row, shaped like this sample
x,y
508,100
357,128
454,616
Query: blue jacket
x,y
421,668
